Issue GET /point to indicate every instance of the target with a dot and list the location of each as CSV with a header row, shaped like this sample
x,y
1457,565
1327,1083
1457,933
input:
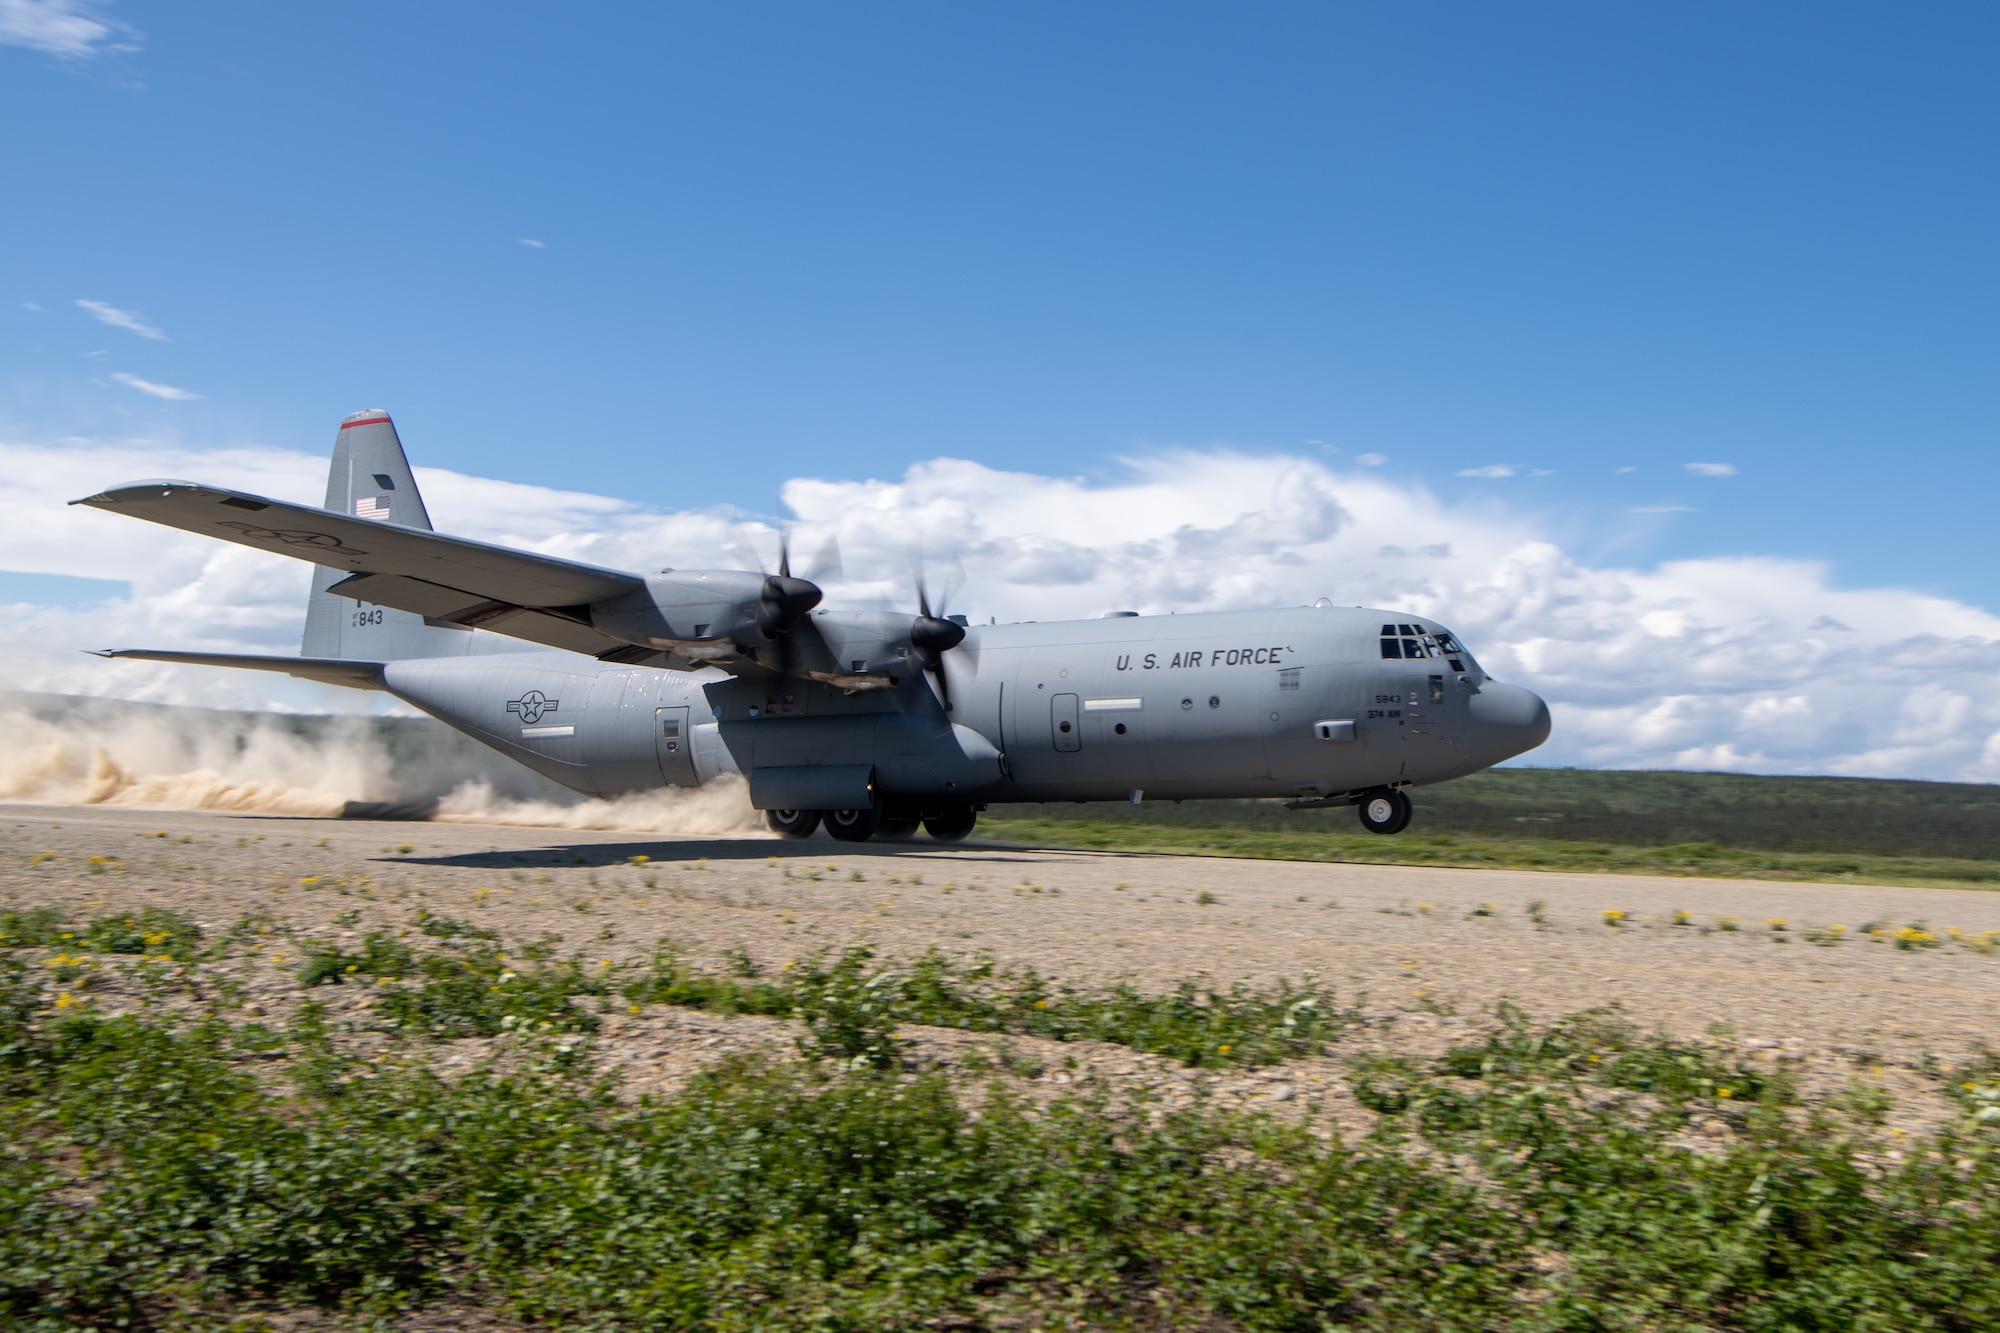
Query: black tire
x,y
954,825
1385,812
895,830
852,825
792,823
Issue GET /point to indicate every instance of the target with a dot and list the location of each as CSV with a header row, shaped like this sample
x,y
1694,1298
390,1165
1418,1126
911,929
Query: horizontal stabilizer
x,y
361,545
327,670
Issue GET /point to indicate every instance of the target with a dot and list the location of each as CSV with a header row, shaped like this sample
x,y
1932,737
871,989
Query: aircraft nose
x,y
1506,720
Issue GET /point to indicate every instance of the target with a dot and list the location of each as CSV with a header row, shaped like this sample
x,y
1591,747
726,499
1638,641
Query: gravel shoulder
x,y
1414,940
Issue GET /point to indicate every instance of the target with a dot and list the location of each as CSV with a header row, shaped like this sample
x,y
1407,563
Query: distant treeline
x,y
1872,816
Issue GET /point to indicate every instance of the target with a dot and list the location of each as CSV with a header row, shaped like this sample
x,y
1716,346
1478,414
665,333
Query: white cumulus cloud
x,y
1711,469
1750,663
152,390
122,319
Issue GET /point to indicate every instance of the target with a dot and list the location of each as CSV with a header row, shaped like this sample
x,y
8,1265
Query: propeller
x,y
785,600
932,635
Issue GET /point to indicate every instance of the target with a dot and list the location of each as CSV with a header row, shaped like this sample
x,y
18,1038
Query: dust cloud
x,y
716,808
154,763
65,751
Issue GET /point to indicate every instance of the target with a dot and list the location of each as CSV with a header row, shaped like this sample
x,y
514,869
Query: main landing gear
x,y
792,823
852,825
950,823
1385,812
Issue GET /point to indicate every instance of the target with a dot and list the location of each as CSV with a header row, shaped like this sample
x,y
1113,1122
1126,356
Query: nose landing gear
x,y
1385,812
952,824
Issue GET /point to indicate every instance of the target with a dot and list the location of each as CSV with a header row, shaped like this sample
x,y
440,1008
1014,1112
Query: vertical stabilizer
x,y
370,478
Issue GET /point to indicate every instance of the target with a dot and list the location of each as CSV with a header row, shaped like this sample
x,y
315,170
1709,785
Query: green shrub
x,y
166,1187
33,928
382,957
853,1007
155,931
450,928
480,992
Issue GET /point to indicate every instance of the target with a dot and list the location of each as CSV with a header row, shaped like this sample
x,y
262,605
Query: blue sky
x,y
1653,349
813,240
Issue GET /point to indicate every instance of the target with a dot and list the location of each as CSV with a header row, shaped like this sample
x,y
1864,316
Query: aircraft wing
x,y
540,598
329,670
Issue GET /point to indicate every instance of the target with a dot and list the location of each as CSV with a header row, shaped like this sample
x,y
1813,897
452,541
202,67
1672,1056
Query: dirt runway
x,y
1413,938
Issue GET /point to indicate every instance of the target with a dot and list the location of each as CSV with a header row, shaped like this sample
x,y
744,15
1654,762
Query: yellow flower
x,y
1725,1093
1224,1049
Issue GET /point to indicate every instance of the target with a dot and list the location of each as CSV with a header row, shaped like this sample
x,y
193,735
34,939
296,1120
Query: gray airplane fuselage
x,y
612,681
1297,703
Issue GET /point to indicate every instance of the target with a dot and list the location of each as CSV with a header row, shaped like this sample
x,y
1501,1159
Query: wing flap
x,y
490,573
561,628
408,594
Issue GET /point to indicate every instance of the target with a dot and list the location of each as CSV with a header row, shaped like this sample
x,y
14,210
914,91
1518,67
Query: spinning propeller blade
x,y
783,601
932,634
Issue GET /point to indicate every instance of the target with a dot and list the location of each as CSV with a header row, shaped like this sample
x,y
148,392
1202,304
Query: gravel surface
x,y
1409,938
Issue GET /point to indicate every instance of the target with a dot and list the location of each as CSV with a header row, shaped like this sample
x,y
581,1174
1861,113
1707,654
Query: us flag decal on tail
x,y
372,506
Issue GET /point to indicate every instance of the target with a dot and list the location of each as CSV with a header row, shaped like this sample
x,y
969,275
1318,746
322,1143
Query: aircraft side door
x,y
673,746
1065,723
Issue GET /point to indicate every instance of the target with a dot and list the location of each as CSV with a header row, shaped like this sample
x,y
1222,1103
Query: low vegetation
x,y
178,1167
852,1008
1705,859
1723,825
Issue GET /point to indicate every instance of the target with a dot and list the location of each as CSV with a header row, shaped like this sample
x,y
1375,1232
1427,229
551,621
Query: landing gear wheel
x,y
852,825
1385,812
895,830
792,823
953,825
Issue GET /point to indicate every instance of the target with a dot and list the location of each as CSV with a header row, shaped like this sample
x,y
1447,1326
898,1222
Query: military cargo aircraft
x,y
866,722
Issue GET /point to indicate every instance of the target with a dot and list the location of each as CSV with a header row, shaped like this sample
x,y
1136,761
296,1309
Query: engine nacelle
x,y
705,615
724,616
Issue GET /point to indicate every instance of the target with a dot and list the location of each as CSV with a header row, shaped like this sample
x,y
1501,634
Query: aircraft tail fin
x,y
371,478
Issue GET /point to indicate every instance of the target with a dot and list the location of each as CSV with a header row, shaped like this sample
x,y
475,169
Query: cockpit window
x,y
1401,642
